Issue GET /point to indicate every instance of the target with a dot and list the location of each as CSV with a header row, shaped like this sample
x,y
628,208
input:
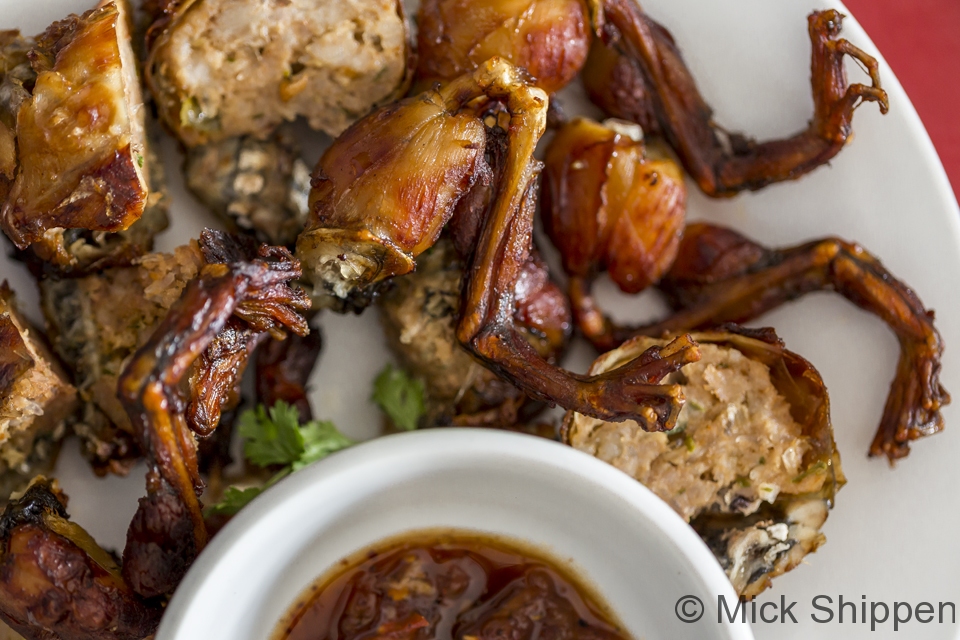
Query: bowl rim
x,y
414,449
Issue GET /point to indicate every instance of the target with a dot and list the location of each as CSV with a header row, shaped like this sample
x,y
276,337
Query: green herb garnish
x,y
272,435
320,439
400,396
275,437
233,500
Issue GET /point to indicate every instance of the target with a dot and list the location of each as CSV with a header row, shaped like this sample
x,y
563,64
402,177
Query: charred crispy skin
x,y
721,276
55,583
214,384
168,529
84,67
283,369
641,76
432,149
548,38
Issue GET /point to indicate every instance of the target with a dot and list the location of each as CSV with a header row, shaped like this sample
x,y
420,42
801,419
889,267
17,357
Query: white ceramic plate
x,y
892,535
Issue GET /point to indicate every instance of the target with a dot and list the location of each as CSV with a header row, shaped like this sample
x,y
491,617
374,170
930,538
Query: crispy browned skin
x,y
56,584
214,383
88,171
168,530
16,81
548,38
359,234
541,310
721,276
283,369
15,359
636,72
429,151
608,207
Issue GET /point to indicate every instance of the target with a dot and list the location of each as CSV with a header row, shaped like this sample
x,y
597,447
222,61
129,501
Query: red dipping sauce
x,y
449,586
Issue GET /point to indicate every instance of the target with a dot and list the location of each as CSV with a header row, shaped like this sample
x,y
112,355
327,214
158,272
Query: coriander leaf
x,y
320,439
400,396
233,500
274,438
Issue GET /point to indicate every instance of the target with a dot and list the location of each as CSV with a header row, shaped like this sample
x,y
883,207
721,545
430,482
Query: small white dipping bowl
x,y
614,533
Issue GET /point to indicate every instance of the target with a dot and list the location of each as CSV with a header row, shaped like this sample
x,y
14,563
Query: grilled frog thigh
x,y
382,193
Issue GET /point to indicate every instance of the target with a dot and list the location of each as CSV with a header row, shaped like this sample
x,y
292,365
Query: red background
x,y
920,39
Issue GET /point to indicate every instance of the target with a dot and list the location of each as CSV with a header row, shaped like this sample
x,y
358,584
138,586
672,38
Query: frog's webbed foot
x,y
834,100
487,326
636,72
240,296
